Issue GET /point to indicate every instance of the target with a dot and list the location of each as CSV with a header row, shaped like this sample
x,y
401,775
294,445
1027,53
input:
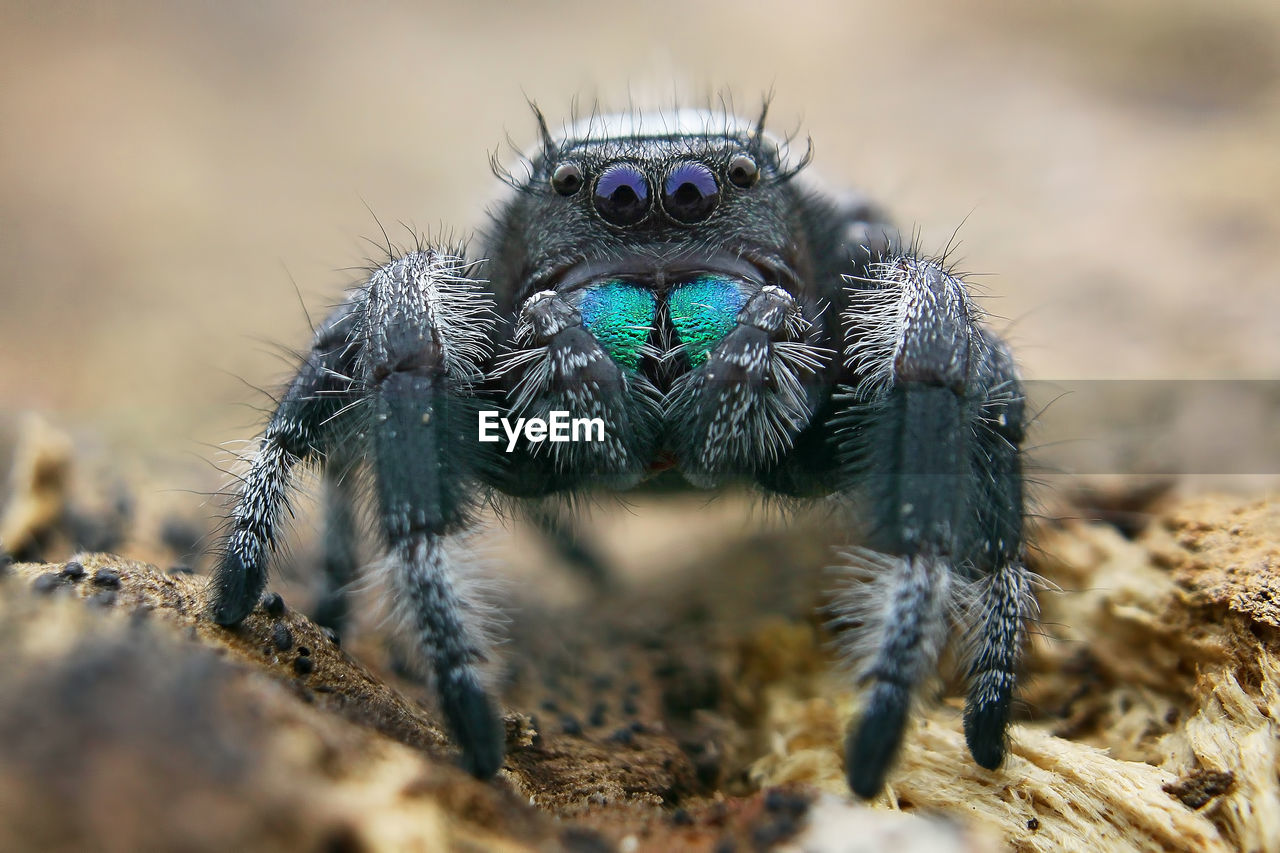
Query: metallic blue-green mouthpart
x,y
703,311
619,314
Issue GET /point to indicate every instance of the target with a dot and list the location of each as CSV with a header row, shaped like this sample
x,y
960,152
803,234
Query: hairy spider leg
x,y
390,379
340,539
425,328
1005,601
298,430
929,435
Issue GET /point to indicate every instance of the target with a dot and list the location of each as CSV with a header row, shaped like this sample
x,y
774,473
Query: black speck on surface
x,y
623,736
304,665
779,800
767,835
1195,791
569,725
681,817
599,714
103,598
47,583
282,637
580,839
304,651
73,571
108,578
1033,824
273,604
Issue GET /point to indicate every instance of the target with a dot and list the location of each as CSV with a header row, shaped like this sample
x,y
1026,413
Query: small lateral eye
x,y
743,171
567,178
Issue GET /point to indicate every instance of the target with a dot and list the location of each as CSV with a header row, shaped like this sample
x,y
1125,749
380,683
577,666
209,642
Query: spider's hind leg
x,y
1004,600
300,429
341,543
566,537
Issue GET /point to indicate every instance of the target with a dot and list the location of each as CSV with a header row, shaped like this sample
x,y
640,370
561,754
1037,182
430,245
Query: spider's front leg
x,y
424,329
930,427
389,380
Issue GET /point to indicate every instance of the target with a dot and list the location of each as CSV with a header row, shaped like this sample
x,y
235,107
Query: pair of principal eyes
x,y
690,189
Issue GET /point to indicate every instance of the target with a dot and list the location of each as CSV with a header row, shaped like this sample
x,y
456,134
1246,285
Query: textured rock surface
x,y
683,716
224,738
1151,703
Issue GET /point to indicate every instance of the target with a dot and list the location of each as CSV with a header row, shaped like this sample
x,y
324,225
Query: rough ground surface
x,y
698,711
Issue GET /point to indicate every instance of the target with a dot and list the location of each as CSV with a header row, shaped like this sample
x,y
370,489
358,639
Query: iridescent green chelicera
x,y
619,314
703,311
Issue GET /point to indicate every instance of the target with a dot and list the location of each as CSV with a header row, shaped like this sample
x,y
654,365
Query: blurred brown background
x,y
168,171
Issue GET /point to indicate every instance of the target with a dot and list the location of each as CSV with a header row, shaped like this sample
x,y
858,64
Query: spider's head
x,y
657,227
650,264
653,199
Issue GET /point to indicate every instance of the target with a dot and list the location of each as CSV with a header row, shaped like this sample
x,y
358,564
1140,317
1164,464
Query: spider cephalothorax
x,y
673,278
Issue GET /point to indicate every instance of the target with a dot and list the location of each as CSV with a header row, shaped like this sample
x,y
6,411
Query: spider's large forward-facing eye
x,y
690,192
743,171
622,195
567,178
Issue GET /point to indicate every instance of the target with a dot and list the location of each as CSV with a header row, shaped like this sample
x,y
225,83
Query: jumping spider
x,y
729,319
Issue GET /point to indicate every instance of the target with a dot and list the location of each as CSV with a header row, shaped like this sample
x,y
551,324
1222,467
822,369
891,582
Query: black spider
x,y
675,276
